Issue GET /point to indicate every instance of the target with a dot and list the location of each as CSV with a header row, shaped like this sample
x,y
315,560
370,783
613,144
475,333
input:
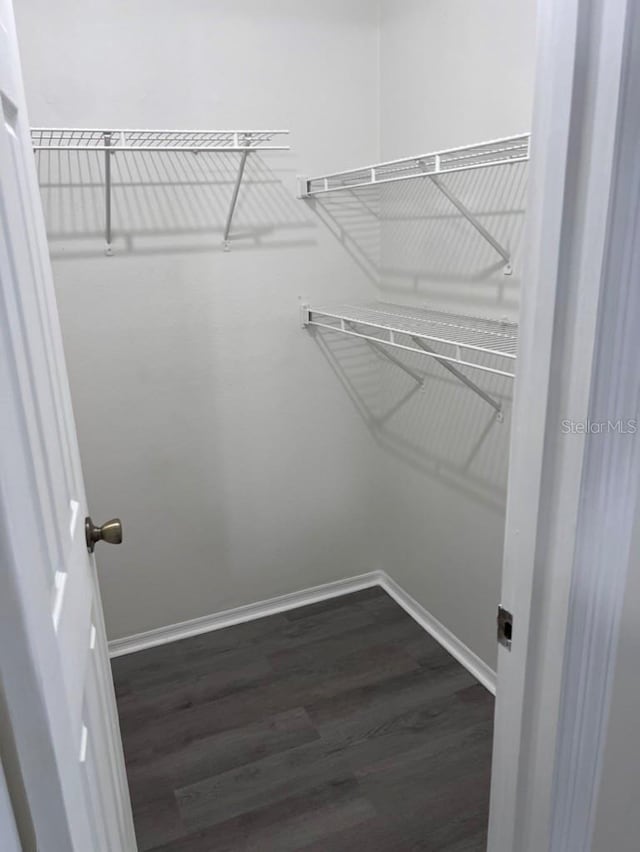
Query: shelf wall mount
x,y
475,343
112,142
497,152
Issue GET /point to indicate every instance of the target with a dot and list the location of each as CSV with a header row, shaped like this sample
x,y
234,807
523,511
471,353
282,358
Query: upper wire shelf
x,y
111,142
497,152
451,339
94,139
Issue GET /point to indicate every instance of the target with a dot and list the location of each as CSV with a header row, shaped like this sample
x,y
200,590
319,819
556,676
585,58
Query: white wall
x,y
208,420
452,73
242,453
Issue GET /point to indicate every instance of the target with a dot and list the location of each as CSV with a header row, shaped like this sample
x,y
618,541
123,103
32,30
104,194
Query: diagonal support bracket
x,y
107,193
234,201
461,376
473,220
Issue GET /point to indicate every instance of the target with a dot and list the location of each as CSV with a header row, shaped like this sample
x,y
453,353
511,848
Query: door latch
x,y
505,627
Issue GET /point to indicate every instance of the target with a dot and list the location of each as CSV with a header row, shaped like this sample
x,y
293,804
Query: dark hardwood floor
x,y
337,727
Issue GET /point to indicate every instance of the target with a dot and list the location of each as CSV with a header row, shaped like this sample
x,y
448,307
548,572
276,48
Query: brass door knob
x,y
111,532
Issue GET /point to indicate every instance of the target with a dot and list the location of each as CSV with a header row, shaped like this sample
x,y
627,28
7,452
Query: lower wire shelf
x,y
454,340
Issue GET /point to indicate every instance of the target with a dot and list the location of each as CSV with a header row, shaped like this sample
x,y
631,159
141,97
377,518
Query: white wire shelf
x,y
454,340
95,139
497,152
111,142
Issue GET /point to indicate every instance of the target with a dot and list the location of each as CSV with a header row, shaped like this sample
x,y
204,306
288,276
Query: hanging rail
x,y
480,344
497,152
111,142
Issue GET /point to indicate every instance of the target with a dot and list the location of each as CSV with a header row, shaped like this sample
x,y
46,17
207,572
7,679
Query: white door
x,y
53,652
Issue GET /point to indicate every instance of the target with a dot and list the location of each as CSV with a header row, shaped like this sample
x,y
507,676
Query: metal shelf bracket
x,y
303,187
107,194
234,200
473,220
464,379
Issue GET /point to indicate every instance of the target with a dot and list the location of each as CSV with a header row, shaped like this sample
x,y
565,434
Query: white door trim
x,y
611,476
8,828
575,363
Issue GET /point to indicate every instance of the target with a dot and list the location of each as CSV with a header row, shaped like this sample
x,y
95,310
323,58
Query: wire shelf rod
x,y
444,152
416,175
136,139
128,130
115,149
396,345
497,342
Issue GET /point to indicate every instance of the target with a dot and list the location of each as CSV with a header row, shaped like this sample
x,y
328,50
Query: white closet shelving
x,y
453,340
497,152
112,142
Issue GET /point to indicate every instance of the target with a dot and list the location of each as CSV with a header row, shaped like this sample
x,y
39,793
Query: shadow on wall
x,y
166,203
353,217
440,428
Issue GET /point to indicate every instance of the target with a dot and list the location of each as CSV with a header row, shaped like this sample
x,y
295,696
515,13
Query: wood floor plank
x,y
157,821
205,683
445,711
382,698
376,835
400,634
267,696
210,756
334,727
356,599
442,787
314,816
167,661
262,783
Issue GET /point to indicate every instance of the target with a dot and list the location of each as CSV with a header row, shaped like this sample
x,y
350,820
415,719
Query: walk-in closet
x,y
287,249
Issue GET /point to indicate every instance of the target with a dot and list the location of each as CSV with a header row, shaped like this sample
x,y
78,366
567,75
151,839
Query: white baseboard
x,y
239,614
461,652
217,621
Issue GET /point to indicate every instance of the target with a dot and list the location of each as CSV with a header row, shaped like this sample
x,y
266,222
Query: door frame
x,y
567,516
576,359
8,827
